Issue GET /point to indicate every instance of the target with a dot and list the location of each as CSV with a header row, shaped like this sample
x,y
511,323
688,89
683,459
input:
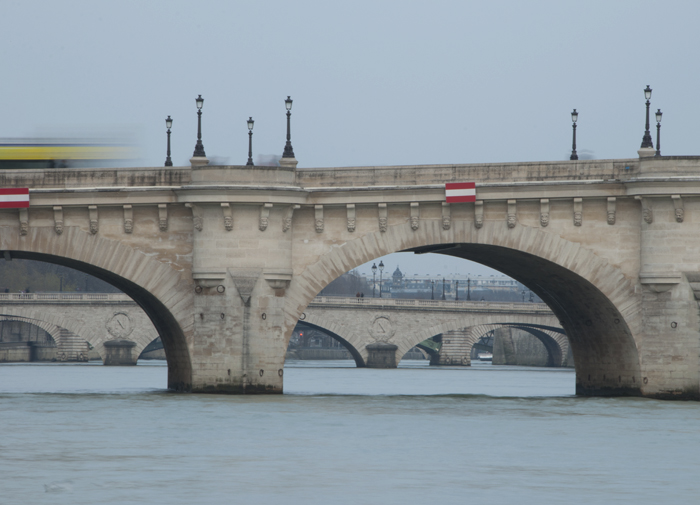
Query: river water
x,y
87,434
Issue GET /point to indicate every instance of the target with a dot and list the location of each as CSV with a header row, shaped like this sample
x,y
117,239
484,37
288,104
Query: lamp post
x,y
432,290
456,290
574,118
469,295
374,279
532,297
658,131
443,288
288,151
646,140
523,296
381,268
168,125
250,142
199,147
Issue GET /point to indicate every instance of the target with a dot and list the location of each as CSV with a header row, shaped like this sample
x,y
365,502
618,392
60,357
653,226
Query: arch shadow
x,y
174,341
359,362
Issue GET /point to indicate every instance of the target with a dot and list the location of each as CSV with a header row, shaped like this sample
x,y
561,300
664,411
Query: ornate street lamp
x,y
523,296
199,147
456,290
168,125
250,142
288,151
646,140
432,290
381,269
443,288
574,118
469,286
658,131
374,279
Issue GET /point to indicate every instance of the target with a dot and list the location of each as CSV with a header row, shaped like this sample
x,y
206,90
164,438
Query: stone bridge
x,y
225,259
97,318
113,319
379,331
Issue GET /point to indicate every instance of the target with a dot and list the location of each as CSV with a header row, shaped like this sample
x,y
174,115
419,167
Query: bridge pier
x,y
119,353
381,355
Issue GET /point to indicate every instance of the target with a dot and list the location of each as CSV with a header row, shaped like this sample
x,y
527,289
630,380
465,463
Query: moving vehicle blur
x,y
60,153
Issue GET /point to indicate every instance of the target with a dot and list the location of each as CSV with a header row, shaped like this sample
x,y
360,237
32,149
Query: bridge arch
x,y
335,331
553,339
53,330
148,281
593,300
94,334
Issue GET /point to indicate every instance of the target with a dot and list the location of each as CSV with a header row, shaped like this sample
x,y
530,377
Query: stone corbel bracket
x,y
446,216
479,214
23,221
660,282
578,211
278,279
228,216
678,208
163,216
287,223
544,212
318,218
647,212
264,216
209,277
94,225
128,219
512,218
415,215
612,210
197,219
58,220
383,214
351,217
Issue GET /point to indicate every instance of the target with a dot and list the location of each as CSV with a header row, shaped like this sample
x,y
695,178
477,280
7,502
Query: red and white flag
x,y
14,198
458,192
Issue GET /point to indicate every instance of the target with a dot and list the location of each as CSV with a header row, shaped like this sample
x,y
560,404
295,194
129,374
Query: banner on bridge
x,y
458,192
14,198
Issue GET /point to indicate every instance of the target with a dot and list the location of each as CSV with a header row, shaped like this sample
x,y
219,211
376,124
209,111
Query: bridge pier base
x,y
381,355
119,353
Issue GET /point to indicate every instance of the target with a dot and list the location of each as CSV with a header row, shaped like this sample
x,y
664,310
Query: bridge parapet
x,y
64,297
473,306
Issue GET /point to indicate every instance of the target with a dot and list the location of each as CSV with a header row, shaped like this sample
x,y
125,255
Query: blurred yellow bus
x,y
59,153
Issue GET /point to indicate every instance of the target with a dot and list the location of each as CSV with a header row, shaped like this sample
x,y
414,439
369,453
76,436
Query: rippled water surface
x,y
90,434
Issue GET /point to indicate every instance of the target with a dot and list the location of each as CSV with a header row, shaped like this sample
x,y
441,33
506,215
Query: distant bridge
x,y
112,323
389,326
379,331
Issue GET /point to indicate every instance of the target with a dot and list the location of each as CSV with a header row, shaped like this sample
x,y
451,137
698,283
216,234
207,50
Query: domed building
x,y
397,279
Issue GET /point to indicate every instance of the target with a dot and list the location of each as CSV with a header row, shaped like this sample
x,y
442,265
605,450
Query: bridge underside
x,y
604,350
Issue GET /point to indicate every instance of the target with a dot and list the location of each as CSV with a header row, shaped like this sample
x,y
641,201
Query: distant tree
x,y
348,284
38,276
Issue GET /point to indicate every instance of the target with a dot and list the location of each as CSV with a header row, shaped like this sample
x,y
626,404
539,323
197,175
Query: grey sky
x,y
373,82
